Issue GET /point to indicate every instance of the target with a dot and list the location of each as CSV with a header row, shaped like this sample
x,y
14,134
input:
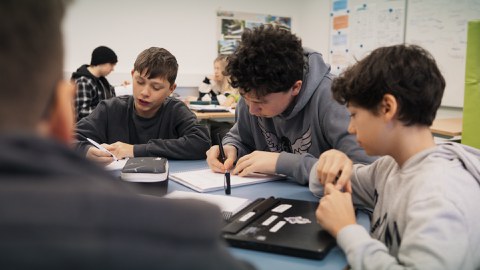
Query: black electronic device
x,y
281,226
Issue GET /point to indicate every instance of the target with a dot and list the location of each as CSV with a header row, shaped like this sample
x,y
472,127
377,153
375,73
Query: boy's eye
x,y
156,86
140,82
352,115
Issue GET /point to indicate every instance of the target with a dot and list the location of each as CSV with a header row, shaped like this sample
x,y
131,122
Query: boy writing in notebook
x,y
59,210
424,196
149,123
287,116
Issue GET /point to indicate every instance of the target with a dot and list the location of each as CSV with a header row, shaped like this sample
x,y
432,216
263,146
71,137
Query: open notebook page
x,y
206,180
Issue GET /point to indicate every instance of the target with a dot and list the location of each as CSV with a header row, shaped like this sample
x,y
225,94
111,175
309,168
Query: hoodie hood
x,y
83,72
314,71
469,156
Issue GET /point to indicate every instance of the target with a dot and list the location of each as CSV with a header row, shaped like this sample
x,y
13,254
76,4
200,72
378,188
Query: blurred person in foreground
x,y
58,210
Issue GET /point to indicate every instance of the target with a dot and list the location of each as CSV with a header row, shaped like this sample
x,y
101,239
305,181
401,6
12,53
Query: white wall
x,y
313,21
187,28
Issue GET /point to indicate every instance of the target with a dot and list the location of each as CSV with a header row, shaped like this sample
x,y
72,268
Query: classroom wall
x,y
187,28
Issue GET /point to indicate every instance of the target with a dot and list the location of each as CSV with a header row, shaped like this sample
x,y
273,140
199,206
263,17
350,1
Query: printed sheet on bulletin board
x,y
358,27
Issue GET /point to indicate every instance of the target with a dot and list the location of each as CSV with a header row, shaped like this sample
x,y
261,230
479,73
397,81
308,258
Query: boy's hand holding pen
x,y
215,161
101,148
223,157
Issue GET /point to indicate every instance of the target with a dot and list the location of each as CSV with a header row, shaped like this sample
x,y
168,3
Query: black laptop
x,y
281,226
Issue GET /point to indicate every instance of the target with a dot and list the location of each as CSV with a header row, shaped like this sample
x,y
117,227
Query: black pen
x,y
223,157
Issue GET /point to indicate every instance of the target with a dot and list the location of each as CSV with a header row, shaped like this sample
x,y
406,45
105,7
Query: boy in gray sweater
x,y
424,196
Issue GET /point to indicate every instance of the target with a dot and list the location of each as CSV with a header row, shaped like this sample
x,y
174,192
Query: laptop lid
x,y
281,226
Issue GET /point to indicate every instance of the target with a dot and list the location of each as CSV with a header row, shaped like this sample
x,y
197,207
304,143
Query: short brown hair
x,y
31,53
408,72
157,62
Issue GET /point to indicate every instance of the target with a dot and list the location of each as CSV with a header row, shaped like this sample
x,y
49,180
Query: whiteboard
x,y
440,26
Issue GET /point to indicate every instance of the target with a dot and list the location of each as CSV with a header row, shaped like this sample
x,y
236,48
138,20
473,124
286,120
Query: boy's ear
x,y
61,122
389,106
296,87
172,88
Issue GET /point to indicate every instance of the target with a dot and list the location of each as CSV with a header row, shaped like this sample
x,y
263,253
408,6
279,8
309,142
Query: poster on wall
x,y
358,27
231,25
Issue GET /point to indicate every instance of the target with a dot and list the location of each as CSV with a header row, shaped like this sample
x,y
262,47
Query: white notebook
x,y
206,180
229,205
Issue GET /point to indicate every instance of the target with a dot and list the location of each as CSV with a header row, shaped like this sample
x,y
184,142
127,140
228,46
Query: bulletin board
x,y
358,27
440,26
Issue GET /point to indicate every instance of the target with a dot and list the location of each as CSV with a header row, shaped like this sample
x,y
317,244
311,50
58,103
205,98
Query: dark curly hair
x,y
408,72
268,60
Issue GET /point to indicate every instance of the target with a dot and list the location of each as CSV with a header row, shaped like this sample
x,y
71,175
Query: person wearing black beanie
x,y
103,55
92,86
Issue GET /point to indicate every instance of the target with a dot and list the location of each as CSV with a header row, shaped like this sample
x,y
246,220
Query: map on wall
x,y
358,27
232,24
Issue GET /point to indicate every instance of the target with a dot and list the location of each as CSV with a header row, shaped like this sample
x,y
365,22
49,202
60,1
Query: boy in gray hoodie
x,y
287,116
424,196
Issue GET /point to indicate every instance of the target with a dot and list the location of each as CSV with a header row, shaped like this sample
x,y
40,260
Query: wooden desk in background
x,y
215,115
447,127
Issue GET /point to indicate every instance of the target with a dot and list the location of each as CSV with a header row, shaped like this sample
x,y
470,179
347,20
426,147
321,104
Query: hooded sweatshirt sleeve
x,y
435,238
241,134
426,213
93,126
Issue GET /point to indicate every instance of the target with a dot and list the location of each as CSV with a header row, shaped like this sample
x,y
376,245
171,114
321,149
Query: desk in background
x,y
216,115
285,189
222,116
449,127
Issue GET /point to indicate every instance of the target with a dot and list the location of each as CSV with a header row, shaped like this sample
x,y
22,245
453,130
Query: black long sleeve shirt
x,y
173,133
